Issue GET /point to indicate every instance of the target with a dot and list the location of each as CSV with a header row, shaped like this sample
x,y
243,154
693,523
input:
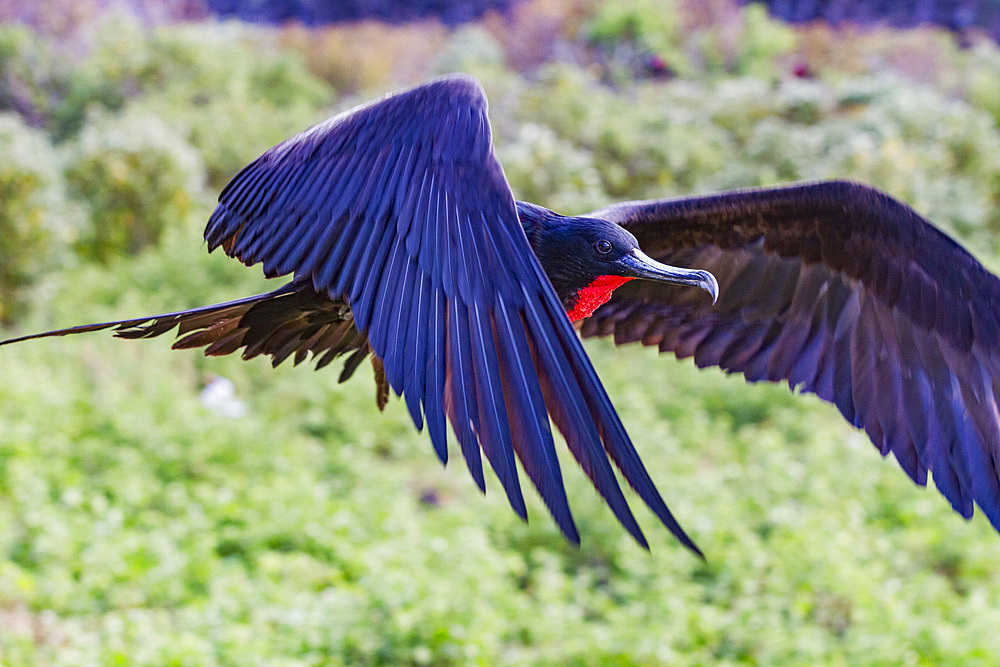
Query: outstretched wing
x,y
401,208
844,292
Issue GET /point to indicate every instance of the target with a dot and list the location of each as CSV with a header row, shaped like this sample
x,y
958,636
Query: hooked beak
x,y
638,264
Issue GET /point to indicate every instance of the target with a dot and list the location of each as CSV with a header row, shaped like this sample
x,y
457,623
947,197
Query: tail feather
x,y
155,325
293,320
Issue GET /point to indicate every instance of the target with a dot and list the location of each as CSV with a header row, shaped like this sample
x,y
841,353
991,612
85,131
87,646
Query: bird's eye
x,y
603,246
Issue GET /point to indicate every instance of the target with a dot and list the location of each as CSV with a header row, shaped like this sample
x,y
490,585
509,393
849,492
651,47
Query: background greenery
x,y
138,526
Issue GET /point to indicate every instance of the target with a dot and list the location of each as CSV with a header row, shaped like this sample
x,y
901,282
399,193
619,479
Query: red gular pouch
x,y
594,295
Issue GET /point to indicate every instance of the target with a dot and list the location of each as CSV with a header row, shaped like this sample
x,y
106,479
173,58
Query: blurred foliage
x,y
627,29
981,72
230,90
633,34
29,78
117,131
37,221
346,58
940,154
138,526
136,176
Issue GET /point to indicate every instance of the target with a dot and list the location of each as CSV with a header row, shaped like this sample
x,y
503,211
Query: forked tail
x,y
293,319
205,317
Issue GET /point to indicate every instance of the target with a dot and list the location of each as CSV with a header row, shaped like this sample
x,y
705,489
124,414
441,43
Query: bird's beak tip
x,y
710,285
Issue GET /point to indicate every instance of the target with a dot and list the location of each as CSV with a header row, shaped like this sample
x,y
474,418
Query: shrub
x,y
37,222
228,90
32,74
367,54
137,176
232,93
541,167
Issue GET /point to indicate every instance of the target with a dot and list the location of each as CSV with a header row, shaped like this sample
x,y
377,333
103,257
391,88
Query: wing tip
x,y
571,533
457,82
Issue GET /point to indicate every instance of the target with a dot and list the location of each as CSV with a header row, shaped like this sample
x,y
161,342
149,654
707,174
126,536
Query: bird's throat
x,y
594,295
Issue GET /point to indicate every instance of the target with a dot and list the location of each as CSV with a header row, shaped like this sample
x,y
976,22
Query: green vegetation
x,y
139,527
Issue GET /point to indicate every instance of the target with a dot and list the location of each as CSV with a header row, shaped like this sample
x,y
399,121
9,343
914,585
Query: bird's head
x,y
586,259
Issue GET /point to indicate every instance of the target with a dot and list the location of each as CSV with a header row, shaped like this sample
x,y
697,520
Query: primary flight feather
x,y
404,243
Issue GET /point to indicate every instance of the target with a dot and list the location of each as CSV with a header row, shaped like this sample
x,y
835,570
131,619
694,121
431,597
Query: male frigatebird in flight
x,y
405,243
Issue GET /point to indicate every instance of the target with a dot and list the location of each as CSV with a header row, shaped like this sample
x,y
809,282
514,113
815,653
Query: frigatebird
x,y
404,244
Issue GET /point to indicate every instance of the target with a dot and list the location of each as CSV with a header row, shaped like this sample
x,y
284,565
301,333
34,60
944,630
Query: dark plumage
x,y
404,242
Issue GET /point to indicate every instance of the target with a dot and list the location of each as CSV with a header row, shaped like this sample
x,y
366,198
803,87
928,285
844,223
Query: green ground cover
x,y
139,527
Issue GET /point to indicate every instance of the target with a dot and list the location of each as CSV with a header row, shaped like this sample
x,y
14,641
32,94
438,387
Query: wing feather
x,y
842,291
459,402
568,410
531,435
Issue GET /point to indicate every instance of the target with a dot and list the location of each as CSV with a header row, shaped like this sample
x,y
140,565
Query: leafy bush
x,y
627,30
37,222
569,181
127,114
137,177
31,74
233,94
231,91
655,139
629,35
367,55
980,75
